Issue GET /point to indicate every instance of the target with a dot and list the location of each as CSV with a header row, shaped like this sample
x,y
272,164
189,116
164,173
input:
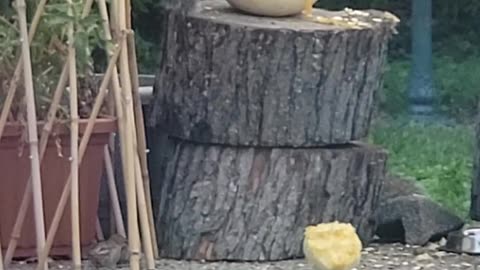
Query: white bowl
x,y
274,8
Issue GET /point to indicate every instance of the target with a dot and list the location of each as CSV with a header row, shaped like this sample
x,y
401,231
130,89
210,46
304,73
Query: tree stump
x,y
234,79
253,204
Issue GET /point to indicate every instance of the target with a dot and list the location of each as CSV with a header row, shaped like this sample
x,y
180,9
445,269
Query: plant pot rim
x,y
102,125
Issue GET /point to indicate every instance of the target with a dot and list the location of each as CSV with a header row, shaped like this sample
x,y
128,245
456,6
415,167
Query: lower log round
x,y
252,204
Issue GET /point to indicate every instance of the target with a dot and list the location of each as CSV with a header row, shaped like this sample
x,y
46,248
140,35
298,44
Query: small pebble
x,y
423,257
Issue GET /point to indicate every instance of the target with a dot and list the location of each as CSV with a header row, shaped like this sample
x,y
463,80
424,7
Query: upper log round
x,y
235,79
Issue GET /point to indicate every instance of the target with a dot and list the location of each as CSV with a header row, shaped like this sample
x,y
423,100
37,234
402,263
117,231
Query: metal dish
x,y
274,8
463,241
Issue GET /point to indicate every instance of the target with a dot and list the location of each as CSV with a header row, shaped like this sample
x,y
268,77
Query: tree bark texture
x,y
229,78
475,189
253,204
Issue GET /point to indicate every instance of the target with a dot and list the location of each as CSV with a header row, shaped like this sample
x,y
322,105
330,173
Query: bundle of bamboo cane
x,y
125,95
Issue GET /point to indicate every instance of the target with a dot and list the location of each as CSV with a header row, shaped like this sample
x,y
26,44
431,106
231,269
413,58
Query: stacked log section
x,y
252,204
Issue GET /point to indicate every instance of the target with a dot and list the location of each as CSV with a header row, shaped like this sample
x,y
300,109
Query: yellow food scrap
x,y
332,246
308,7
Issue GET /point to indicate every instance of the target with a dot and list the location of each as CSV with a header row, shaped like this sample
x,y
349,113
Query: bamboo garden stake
x,y
142,209
74,197
124,104
133,233
113,193
130,81
112,227
100,235
141,138
115,83
32,130
1,258
125,143
145,223
139,183
83,146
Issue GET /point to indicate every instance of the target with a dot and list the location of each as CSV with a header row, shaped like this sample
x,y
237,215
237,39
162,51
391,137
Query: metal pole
x,y
421,89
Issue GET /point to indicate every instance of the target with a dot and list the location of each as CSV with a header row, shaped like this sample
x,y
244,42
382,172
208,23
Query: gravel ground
x,y
385,256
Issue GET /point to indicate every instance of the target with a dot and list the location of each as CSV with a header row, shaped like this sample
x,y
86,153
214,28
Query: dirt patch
x,y
385,256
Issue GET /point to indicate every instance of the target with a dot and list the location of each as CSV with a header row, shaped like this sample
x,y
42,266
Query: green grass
x,y
439,157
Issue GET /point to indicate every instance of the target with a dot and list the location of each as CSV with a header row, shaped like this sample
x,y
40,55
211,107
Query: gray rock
x,y
406,214
414,219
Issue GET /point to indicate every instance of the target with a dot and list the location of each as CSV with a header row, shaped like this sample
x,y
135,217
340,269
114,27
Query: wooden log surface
x,y
252,204
229,78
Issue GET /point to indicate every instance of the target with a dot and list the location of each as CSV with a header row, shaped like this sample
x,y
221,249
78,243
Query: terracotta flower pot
x,y
15,170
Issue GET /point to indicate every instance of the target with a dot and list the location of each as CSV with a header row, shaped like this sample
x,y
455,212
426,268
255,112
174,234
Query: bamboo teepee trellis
x,y
124,84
